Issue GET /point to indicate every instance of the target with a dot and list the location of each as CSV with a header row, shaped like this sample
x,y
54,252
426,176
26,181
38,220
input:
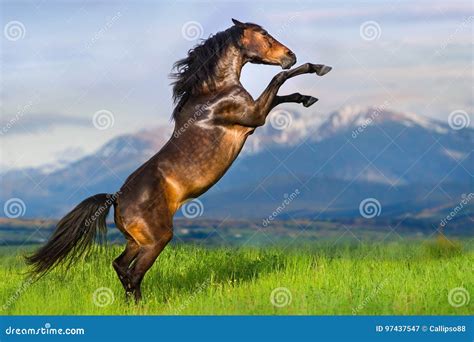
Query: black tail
x,y
74,234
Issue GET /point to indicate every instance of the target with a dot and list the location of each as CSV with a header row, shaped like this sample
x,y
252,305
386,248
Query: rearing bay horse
x,y
213,117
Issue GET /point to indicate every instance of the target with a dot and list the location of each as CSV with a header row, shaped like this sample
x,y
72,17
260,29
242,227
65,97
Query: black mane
x,y
199,66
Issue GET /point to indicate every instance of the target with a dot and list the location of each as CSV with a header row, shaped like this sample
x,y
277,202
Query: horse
x,y
213,115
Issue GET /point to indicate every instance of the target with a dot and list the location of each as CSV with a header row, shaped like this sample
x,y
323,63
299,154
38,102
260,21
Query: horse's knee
x,y
280,77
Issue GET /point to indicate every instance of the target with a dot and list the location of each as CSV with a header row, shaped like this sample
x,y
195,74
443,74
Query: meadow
x,y
399,278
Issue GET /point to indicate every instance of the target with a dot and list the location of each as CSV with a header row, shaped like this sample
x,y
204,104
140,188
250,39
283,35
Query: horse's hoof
x,y
128,297
323,70
309,101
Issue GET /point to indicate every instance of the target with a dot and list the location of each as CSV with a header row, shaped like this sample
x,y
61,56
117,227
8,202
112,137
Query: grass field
x,y
391,278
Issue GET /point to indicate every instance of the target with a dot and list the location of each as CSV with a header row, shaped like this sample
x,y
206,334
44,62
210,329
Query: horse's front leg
x,y
305,100
265,102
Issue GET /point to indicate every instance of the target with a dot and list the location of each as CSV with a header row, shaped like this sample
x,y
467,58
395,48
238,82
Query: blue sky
x,y
76,58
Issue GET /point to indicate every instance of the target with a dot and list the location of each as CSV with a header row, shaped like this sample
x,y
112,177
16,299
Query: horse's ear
x,y
237,23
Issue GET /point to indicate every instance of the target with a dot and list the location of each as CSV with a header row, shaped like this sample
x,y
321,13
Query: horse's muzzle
x,y
288,61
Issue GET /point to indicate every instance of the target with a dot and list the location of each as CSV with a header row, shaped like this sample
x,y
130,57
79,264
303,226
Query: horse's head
x,y
261,48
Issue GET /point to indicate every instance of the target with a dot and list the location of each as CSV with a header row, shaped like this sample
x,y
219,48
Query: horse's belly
x,y
212,171
214,162
195,161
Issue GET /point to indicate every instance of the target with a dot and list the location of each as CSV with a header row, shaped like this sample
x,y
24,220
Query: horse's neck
x,y
229,68
226,75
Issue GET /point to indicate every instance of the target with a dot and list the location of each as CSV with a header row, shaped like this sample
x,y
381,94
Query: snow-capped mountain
x,y
357,118
295,127
335,160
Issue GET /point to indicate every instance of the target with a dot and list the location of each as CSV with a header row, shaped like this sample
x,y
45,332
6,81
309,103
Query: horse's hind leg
x,y
123,261
152,237
145,259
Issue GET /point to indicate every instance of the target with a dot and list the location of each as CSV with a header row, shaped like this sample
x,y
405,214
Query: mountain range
x,y
314,167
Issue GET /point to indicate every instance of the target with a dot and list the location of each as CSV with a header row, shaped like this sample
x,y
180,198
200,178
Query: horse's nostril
x,y
288,61
292,56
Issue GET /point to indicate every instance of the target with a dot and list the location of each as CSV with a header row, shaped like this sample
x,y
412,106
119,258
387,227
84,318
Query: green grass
x,y
382,279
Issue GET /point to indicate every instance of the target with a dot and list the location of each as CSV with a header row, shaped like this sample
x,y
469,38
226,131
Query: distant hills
x,y
409,164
